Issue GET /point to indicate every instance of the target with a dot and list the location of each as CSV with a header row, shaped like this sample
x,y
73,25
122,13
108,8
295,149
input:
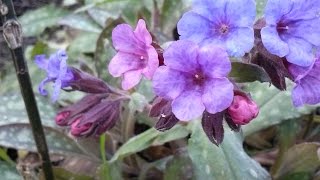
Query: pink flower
x,y
136,56
243,109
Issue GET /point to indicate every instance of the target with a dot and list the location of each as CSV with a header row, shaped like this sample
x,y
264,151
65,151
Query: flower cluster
x,y
191,77
92,115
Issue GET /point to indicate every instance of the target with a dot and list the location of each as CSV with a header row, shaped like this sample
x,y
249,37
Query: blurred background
x,y
282,141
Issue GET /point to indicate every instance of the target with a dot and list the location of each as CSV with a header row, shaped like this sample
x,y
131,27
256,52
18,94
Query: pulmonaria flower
x,y
195,79
243,109
227,23
307,79
136,56
57,71
64,76
292,30
92,115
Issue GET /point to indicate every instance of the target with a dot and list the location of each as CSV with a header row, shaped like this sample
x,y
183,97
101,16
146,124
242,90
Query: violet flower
x,y
57,71
292,30
64,76
136,56
307,79
195,79
227,23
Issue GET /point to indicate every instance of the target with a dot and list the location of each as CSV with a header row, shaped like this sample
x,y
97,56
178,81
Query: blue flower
x,y
292,30
227,23
307,88
57,71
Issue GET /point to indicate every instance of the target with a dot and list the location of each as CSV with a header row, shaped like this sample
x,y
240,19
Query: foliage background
x,y
281,143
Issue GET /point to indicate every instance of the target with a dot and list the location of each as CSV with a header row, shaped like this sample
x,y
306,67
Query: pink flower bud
x,y
61,118
243,109
78,130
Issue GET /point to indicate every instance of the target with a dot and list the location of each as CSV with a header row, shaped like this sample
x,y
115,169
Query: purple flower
x,y
57,71
227,23
307,79
136,56
292,30
194,78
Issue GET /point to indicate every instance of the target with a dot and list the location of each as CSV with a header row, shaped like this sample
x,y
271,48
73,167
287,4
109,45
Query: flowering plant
x,y
194,94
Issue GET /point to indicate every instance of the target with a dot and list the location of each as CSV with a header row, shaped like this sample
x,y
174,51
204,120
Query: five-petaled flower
x,y
57,71
292,30
307,79
136,56
195,78
227,23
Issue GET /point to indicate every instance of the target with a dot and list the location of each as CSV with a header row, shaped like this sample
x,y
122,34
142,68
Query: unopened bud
x,y
243,109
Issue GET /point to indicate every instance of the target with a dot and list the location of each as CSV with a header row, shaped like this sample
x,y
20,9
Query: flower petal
x,y
56,90
275,9
307,29
153,63
301,52
41,61
306,92
124,40
123,62
206,7
188,106
214,61
303,10
273,43
217,95
141,32
168,83
239,41
240,15
194,27
182,56
131,79
41,89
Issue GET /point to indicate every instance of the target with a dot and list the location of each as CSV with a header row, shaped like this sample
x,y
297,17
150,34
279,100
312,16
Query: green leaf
x,y
275,107
137,102
80,44
243,72
15,131
82,22
151,137
34,22
180,167
8,172
229,161
62,174
109,171
19,136
300,158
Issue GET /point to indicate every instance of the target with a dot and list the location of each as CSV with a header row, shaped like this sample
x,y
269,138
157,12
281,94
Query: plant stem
x,y
13,36
103,148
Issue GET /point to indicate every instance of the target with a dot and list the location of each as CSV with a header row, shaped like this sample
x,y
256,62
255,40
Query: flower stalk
x,y
13,36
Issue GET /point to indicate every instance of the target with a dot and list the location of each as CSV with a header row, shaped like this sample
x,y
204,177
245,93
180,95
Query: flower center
x,y
224,29
198,78
281,27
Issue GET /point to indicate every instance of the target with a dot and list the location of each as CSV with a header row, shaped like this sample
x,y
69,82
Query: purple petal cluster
x,y
136,56
307,79
195,79
227,23
57,71
292,30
